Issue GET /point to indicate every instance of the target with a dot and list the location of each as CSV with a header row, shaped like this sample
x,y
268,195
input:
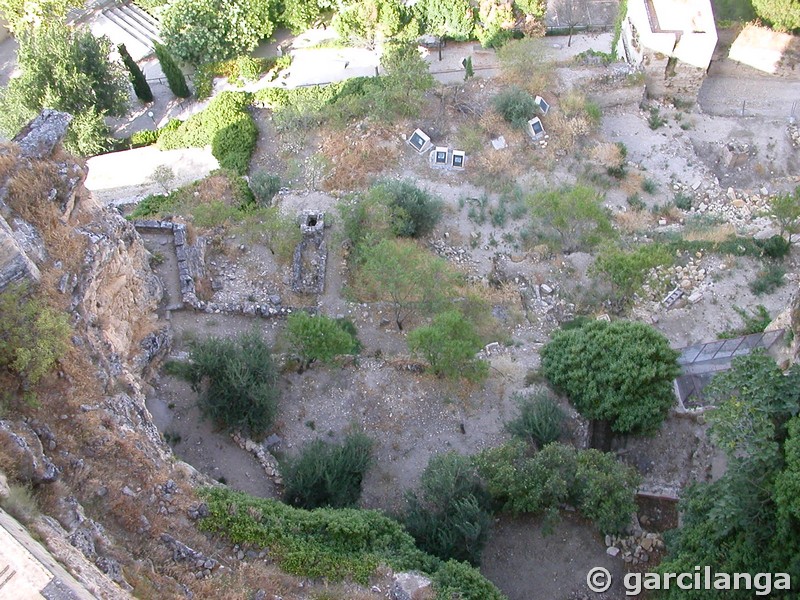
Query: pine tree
x,y
173,73
140,85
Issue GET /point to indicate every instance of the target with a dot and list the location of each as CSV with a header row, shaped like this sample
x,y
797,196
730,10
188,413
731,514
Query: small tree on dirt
x,y
570,14
407,79
317,338
449,515
785,209
326,474
627,271
140,86
620,372
570,218
449,345
405,275
163,175
175,77
236,380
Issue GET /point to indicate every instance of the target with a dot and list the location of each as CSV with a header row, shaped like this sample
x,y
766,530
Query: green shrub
x,y
457,580
769,279
414,212
636,203
140,86
264,186
541,419
236,380
225,125
570,218
146,137
776,246
600,487
88,134
655,120
620,372
515,105
448,517
33,336
175,77
326,474
649,186
683,201
627,271
317,338
449,345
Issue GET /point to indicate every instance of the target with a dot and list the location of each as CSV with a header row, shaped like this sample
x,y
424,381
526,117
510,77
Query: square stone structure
x,y
542,105
419,140
458,159
672,41
536,129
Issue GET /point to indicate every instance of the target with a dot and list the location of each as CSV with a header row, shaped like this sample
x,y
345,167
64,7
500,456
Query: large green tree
x,y
318,338
454,19
620,372
748,521
21,15
200,31
64,69
407,79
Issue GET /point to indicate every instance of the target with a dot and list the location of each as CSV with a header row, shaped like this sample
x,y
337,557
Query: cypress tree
x,y
140,85
173,73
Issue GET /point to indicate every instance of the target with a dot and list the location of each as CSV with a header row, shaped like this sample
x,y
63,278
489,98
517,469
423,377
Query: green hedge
x,y
147,137
335,544
225,125
315,97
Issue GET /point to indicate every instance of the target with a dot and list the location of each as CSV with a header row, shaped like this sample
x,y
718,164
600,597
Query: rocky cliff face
x,y
88,448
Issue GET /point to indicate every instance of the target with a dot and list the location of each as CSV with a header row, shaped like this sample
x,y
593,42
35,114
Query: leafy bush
x,y
146,137
769,279
626,271
414,212
408,277
317,338
88,134
325,474
448,517
454,19
683,201
594,482
649,186
140,86
635,202
541,419
449,345
570,218
33,336
236,380
200,31
655,120
620,372
225,125
175,77
783,15
264,186
515,105
776,246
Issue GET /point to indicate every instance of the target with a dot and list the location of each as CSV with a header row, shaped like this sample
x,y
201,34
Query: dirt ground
x,y
412,416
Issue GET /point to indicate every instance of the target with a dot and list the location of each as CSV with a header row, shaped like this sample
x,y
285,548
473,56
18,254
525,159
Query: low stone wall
x,y
190,267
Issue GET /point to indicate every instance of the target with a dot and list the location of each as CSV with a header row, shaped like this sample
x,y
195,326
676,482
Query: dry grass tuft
x,y
357,158
607,155
634,221
715,233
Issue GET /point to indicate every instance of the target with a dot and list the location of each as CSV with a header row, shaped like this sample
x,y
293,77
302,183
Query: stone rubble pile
x,y
634,549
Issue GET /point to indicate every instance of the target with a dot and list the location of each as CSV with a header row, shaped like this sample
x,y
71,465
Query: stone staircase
x,y
123,23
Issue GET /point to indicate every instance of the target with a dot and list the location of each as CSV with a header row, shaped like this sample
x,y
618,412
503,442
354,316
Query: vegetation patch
x,y
335,544
225,124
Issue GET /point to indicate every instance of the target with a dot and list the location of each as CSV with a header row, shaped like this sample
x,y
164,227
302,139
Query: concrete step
x,y
130,26
147,22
